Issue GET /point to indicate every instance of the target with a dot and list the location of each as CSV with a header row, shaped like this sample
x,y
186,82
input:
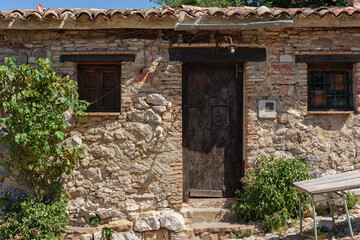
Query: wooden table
x,y
330,184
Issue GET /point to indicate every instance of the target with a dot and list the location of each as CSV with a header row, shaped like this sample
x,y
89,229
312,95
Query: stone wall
x,y
328,142
133,160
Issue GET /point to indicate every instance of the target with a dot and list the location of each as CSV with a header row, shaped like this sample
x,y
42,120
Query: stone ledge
x,y
330,112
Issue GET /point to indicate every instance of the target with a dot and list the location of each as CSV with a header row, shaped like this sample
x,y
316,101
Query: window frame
x,y
100,67
329,87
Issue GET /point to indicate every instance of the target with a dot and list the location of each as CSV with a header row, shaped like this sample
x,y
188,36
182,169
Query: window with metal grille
x,y
99,84
330,86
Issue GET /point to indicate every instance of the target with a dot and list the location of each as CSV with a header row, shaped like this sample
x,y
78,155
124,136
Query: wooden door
x,y
212,130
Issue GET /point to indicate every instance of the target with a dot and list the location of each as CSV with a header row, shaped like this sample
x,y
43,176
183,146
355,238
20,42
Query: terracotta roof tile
x,y
194,12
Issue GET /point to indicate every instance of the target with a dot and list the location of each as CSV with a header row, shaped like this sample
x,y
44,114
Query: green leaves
x,y
34,101
268,191
59,136
22,138
33,217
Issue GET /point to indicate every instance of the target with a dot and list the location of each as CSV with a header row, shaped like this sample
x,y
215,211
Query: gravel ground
x,y
339,231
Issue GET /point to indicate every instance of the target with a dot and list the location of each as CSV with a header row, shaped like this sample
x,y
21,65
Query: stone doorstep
x,y
209,202
220,227
194,215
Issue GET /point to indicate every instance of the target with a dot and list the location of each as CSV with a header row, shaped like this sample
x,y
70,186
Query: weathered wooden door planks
x,y
212,130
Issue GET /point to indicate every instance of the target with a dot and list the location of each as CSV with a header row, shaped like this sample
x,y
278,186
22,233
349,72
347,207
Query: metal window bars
x,y
330,89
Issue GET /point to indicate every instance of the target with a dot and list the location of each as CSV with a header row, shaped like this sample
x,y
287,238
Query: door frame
x,y
239,68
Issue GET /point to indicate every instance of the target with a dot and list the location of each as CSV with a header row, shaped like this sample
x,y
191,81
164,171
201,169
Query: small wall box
x,y
267,108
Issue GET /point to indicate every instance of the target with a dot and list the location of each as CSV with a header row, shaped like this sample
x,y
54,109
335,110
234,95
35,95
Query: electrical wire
x,y
118,86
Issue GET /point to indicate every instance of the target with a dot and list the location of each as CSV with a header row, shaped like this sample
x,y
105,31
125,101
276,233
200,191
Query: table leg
x,y
348,216
300,213
331,211
314,216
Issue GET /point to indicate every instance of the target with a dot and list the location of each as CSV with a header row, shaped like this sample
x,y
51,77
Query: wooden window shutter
x,y
101,86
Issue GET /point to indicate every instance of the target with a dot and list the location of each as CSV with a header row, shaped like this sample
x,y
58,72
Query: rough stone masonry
x,y
133,160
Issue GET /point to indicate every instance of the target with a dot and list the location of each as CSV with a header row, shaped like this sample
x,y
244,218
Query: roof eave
x,y
167,21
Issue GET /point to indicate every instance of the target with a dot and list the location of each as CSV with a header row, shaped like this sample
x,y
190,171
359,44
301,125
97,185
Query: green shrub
x,y
32,217
34,101
245,234
107,233
95,221
351,200
322,208
276,220
268,191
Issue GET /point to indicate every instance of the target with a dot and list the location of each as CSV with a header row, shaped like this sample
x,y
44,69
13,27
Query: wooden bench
x,y
330,184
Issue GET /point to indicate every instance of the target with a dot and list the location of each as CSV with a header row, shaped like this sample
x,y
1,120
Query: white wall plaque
x,y
267,108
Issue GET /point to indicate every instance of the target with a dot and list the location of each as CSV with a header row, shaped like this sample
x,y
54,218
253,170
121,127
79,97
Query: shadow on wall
x,y
327,122
151,113
324,141
132,160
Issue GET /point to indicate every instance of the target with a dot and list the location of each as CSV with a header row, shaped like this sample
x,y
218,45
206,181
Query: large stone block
x,y
128,148
160,234
131,205
141,104
172,220
286,58
141,131
97,235
118,236
281,131
100,151
105,213
133,236
135,115
94,175
151,116
159,109
159,131
149,223
156,99
120,135
120,225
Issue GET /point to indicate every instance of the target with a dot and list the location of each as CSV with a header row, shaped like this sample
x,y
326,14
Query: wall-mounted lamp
x,y
227,39
232,49
232,46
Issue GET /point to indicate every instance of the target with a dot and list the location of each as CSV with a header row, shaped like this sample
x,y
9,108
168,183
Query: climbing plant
x,y
34,100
